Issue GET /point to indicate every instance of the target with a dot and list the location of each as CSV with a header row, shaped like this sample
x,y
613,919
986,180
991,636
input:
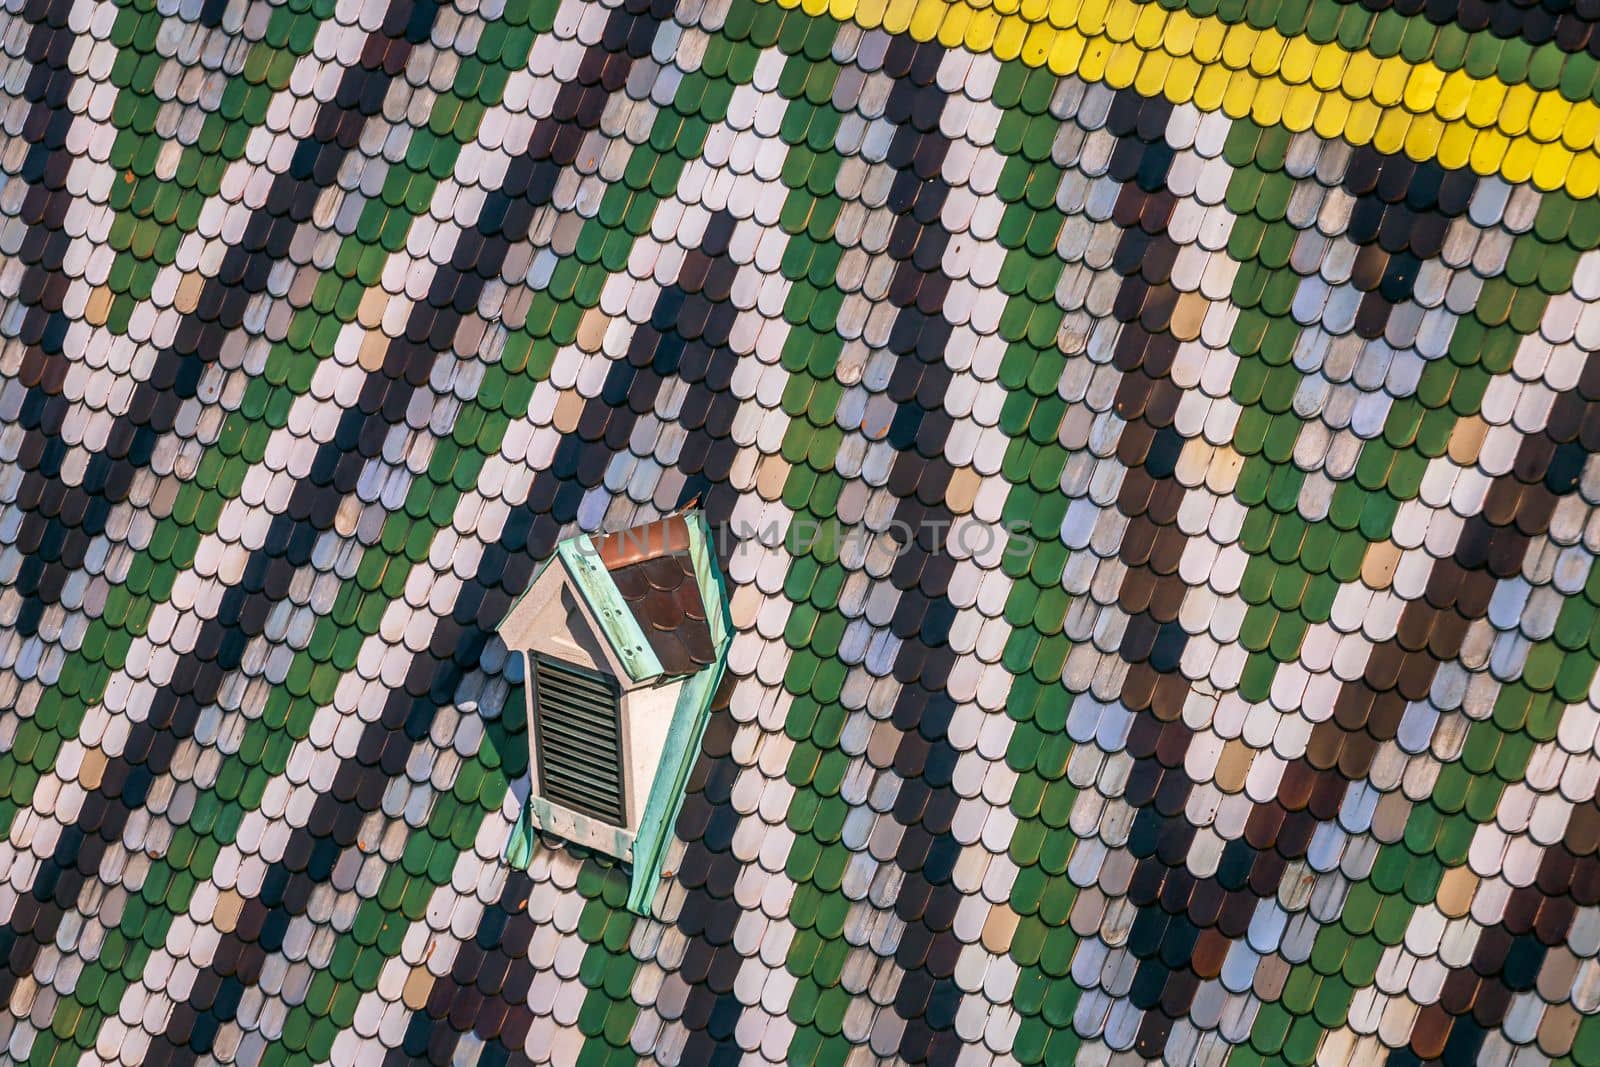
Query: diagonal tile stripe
x,y
1271,323
1418,108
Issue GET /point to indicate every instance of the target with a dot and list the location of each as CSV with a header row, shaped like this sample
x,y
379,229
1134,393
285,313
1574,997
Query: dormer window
x,y
624,637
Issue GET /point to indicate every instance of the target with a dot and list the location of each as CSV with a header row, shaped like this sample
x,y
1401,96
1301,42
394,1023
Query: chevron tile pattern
x,y
1150,450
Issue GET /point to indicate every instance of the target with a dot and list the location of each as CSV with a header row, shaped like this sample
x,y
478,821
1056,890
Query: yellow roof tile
x,y
953,30
1333,115
1487,99
1182,78
1454,95
981,31
1518,108
1214,81
1390,136
1241,94
1422,139
1300,108
1327,74
1549,117
1092,17
1008,42
1209,39
1583,123
1120,19
1266,106
1150,27
1583,177
927,18
1267,56
1067,52
1363,121
1390,84
1550,169
1421,92
1360,71
1488,151
1520,157
1237,45
1152,73
1123,66
1299,60
1096,54
1455,145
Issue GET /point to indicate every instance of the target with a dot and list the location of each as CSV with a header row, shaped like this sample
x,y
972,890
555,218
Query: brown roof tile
x,y
654,572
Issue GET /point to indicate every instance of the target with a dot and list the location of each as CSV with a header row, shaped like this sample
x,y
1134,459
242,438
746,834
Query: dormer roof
x,y
647,589
653,569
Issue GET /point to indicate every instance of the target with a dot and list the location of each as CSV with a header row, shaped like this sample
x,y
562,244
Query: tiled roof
x,y
1188,406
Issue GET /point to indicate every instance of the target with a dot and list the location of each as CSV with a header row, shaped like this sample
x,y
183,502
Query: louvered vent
x,y
578,739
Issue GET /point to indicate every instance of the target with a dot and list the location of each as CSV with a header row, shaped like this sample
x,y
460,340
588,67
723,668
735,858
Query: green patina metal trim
x,y
518,852
621,842
689,721
599,592
713,587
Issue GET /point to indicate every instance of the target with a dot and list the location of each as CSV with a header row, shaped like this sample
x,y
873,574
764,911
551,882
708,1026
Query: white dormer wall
x,y
646,721
538,623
